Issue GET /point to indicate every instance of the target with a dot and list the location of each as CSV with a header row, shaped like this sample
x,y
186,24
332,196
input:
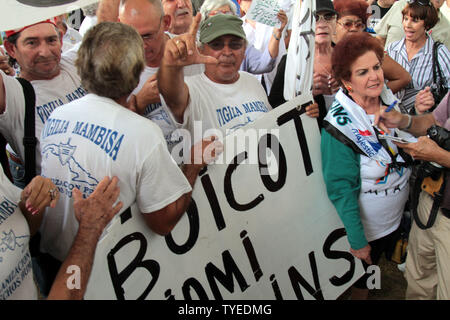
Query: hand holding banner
x,y
265,12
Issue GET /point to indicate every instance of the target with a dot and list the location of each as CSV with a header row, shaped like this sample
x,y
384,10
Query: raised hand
x,y
148,94
322,84
281,15
424,100
182,50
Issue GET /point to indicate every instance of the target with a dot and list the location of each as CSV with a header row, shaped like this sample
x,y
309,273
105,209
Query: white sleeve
x,y
71,54
161,182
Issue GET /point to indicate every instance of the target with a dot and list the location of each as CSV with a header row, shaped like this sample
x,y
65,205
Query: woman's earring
x,y
349,88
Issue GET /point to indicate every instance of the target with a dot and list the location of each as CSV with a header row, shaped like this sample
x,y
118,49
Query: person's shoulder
x,y
400,4
248,77
395,45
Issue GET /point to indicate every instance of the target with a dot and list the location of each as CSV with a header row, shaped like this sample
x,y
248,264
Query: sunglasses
x,y
421,2
219,45
327,17
348,24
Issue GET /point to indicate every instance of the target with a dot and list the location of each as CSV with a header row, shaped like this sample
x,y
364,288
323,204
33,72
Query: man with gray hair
x,y
180,12
149,19
207,97
97,135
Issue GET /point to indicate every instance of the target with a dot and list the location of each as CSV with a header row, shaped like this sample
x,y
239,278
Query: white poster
x,y
298,76
265,12
260,227
19,13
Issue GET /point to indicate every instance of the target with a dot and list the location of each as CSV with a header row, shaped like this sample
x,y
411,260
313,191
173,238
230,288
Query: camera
x,y
442,137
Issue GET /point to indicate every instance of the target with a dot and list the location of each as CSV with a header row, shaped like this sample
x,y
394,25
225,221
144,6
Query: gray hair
x,y
210,5
110,59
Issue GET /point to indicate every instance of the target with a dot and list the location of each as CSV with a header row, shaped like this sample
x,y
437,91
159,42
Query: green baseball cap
x,y
219,25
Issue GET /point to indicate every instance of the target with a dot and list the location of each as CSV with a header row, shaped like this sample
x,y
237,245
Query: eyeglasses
x,y
219,45
151,35
327,17
348,24
421,2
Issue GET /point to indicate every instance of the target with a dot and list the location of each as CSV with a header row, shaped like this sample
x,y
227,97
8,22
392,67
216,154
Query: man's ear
x,y
10,48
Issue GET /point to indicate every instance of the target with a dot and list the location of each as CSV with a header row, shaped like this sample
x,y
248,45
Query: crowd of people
x,y
91,119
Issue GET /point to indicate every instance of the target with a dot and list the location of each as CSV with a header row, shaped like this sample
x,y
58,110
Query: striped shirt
x,y
420,69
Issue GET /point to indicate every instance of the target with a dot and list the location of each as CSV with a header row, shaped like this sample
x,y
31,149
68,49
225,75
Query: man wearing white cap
x,y
37,49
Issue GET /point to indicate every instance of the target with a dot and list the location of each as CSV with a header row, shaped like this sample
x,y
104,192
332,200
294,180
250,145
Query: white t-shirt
x,y
224,106
382,198
50,94
94,137
158,112
16,275
70,39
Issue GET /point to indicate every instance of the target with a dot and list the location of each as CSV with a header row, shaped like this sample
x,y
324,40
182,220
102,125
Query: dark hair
x,y
428,14
13,40
352,7
349,49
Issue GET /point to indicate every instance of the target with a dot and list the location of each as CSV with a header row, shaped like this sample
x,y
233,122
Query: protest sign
x,y
265,12
298,77
256,229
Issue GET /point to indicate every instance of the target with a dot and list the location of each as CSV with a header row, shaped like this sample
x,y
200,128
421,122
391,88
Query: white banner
x,y
19,13
298,76
247,235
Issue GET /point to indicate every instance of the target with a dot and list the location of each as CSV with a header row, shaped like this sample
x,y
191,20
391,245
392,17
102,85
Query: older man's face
x,y
229,50
180,12
38,52
151,26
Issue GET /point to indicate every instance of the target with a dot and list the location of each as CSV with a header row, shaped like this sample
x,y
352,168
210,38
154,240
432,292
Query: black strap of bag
x,y
436,69
415,201
29,138
29,143
439,87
